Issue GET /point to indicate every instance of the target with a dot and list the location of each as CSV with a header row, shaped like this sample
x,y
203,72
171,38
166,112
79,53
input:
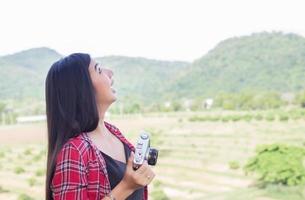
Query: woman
x,y
88,158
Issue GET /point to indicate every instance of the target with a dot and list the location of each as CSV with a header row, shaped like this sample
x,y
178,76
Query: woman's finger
x,y
143,168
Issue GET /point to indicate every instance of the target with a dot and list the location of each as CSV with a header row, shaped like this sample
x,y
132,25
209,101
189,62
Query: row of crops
x,y
251,116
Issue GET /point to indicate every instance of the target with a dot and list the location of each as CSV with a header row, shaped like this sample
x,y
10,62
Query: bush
x,y
300,99
278,164
225,118
37,157
235,118
234,165
19,170
283,117
158,193
249,100
214,118
270,117
28,151
2,154
40,172
296,116
247,117
258,117
2,190
24,197
32,181
198,118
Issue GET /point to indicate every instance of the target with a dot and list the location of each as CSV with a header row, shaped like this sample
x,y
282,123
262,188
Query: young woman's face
x,y
102,80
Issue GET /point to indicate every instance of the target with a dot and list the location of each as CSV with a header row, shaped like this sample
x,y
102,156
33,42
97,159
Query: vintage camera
x,y
143,151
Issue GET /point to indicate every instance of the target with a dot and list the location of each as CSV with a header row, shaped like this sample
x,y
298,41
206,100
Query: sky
x,y
158,29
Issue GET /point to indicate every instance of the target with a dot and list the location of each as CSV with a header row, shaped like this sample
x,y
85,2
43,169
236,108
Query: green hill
x,y
259,62
22,74
142,79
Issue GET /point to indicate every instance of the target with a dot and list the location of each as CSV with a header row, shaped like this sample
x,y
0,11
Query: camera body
x,y
143,151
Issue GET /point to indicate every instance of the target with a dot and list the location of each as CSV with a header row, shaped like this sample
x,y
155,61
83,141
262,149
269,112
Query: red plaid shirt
x,y
80,171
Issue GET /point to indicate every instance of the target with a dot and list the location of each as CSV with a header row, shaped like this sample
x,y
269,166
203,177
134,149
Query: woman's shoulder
x,y
79,142
77,145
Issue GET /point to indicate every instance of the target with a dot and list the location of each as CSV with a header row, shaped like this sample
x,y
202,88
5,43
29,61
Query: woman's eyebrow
x,y
95,66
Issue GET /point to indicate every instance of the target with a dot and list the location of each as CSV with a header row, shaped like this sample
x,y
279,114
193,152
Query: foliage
x,y
270,117
158,193
19,170
269,62
249,101
278,164
2,190
300,99
28,151
234,165
40,172
284,117
2,154
25,197
31,181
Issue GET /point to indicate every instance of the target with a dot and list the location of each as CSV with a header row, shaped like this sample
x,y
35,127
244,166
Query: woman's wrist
x,y
110,196
121,191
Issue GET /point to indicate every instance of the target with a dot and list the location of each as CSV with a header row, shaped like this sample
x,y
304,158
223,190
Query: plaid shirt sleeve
x,y
69,180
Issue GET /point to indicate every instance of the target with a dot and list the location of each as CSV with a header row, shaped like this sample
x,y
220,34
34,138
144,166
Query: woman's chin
x,y
113,91
114,98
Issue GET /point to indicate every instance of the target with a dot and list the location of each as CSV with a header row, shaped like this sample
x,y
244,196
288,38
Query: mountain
x,y
259,62
22,75
140,78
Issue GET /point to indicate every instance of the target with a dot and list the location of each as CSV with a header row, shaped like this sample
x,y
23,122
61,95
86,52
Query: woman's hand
x,y
132,179
135,179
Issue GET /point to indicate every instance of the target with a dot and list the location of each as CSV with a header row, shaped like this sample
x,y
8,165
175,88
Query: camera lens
x,y
152,156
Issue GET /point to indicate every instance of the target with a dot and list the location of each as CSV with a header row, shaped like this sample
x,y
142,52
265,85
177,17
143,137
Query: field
x,y
197,159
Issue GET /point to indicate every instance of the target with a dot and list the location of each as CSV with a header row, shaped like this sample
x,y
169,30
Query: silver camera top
x,y
143,151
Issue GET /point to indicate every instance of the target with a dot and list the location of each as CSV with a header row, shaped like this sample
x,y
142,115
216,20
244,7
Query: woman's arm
x,y
69,180
120,192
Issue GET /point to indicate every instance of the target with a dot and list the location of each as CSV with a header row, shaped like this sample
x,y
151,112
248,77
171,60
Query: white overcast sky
x,y
160,29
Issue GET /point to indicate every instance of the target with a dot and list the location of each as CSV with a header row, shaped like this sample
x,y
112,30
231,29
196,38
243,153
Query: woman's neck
x,y
101,128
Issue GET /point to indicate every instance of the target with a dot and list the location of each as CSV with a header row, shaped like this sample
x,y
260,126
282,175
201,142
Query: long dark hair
x,y
70,106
